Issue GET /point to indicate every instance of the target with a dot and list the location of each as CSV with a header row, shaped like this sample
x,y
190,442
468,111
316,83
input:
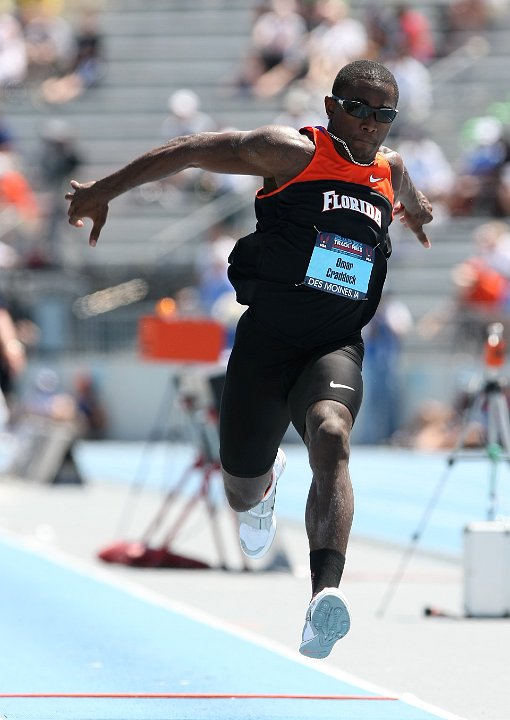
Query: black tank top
x,y
334,216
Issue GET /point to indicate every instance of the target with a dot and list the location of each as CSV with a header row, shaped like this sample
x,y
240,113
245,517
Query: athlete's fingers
x,y
97,227
422,237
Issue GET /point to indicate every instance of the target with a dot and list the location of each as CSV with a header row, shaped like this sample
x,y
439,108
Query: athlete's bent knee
x,y
329,427
244,493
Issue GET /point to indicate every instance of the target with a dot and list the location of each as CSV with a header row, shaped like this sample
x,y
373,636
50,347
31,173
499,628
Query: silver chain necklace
x,y
346,148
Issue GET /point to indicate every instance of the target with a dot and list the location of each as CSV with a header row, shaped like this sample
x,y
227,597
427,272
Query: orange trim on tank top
x,y
327,164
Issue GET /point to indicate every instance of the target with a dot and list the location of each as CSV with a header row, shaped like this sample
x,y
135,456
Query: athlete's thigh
x,y
333,376
254,414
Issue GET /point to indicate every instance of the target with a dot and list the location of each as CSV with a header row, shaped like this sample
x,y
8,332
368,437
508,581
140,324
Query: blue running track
x,y
70,632
392,487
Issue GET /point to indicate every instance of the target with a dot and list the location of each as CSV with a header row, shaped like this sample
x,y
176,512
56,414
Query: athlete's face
x,y
363,136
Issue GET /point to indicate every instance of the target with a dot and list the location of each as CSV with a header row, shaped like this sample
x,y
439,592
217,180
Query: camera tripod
x,y
200,416
489,403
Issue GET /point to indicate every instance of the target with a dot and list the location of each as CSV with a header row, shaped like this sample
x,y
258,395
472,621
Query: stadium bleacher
x,y
156,47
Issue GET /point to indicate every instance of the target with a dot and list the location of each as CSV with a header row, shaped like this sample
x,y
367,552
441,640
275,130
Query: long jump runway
x,y
81,645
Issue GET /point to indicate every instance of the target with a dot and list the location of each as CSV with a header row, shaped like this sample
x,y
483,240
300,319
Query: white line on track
x,y
90,570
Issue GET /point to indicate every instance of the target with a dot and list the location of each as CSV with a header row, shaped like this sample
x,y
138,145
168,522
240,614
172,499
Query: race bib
x,y
340,266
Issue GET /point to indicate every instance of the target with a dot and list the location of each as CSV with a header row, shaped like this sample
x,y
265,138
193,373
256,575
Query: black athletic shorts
x,y
269,384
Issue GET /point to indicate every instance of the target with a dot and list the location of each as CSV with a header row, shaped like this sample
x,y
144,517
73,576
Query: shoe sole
x,y
330,621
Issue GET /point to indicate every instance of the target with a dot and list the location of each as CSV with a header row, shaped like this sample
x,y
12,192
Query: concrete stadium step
x,y
443,254
416,279
206,20
178,5
176,46
93,126
114,105
136,253
157,73
133,205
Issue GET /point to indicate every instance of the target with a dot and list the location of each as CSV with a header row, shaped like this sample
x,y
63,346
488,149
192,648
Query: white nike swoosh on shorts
x,y
374,179
339,385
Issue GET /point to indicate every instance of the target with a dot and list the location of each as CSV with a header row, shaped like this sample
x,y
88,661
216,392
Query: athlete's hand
x,y
416,219
89,201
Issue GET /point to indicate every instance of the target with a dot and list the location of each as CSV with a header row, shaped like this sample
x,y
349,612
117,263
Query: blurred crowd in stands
x,y
44,51
297,46
53,53
310,39
50,54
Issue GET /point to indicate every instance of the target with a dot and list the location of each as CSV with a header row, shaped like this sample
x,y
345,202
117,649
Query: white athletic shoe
x,y
257,527
327,620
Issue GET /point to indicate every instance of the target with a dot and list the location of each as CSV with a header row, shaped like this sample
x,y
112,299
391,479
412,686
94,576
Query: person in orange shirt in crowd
x,y
16,192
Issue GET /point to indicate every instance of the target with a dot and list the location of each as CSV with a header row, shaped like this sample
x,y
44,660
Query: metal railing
x,y
179,232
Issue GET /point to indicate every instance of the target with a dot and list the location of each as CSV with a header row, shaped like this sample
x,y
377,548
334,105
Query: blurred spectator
x,y
49,38
9,256
297,111
217,296
19,208
45,431
415,86
481,291
184,118
483,280
59,156
47,399
380,25
13,55
434,427
399,25
12,361
90,408
383,380
58,159
483,186
212,266
276,55
336,40
429,167
187,302
415,32
87,67
209,186
492,239
15,190
502,204
7,138
461,21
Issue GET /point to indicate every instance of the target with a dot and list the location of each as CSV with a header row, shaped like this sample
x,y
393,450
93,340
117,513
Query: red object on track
x,y
138,554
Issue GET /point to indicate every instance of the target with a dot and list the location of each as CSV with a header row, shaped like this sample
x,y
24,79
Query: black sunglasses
x,y
361,110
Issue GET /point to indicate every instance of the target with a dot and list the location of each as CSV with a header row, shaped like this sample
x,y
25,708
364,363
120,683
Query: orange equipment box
x,y
180,340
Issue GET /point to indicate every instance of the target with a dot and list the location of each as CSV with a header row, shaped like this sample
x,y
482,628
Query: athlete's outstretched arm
x,y
411,204
269,152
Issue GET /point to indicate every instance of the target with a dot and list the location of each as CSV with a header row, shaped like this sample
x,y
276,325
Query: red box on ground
x,y
180,340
